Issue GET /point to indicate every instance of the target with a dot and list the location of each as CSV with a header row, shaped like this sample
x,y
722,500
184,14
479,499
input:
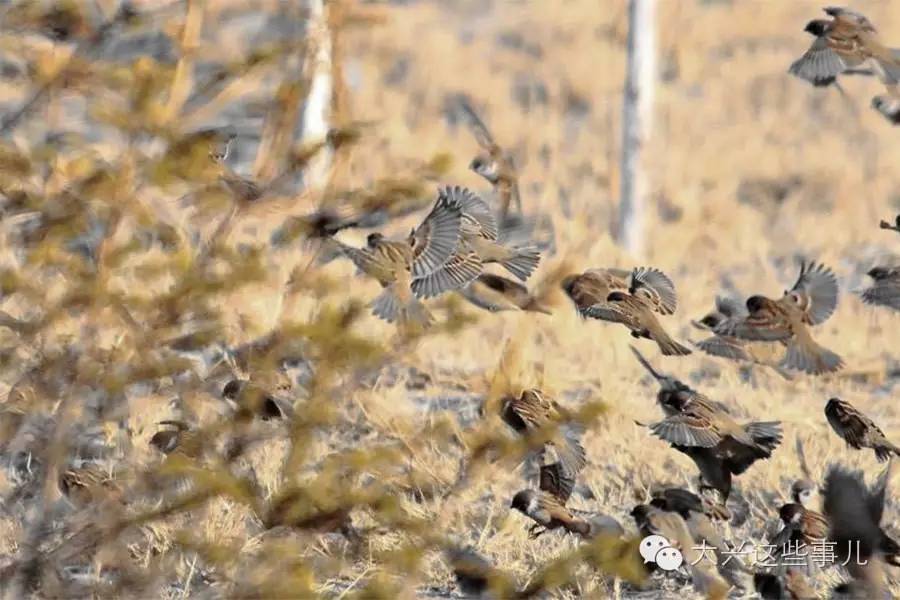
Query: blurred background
x,y
134,286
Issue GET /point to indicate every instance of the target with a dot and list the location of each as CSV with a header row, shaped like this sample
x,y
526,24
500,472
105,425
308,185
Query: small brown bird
x,y
428,255
494,164
249,396
549,513
854,513
703,430
476,576
685,502
792,585
858,430
532,411
806,493
670,525
885,291
894,227
843,44
799,524
608,295
480,235
181,439
732,348
496,293
810,302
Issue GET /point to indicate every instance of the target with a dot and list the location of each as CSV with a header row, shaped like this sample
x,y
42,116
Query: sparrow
x,y
858,430
697,514
248,396
181,439
533,410
732,348
854,513
800,527
398,264
792,585
703,430
805,493
549,513
670,525
810,302
616,296
894,227
479,234
493,164
496,293
885,291
475,575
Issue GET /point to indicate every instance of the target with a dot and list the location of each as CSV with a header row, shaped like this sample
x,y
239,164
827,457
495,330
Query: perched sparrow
x,y
732,348
494,164
533,410
703,430
670,525
886,289
549,513
398,265
810,302
480,235
608,295
181,439
792,585
854,513
496,293
475,575
858,430
894,227
806,493
248,396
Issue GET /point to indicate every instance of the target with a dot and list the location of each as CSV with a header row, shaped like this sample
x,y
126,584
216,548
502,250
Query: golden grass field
x,y
750,170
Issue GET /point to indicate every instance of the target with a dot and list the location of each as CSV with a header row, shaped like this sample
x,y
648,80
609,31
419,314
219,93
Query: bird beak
x,y
646,364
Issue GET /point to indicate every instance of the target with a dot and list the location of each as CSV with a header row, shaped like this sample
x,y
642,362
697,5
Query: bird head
x,y
805,493
616,296
878,273
712,320
373,238
523,501
232,389
485,166
756,303
817,27
791,513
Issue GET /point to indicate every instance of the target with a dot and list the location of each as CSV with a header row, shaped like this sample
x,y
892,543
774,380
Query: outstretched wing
x,y
657,286
817,288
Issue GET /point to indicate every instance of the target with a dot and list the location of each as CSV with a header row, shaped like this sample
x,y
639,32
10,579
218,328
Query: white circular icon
x,y
652,544
669,559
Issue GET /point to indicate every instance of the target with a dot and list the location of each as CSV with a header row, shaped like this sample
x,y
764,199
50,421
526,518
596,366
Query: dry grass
x,y
549,84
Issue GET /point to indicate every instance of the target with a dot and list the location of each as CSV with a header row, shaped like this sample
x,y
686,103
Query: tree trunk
x,y
316,112
637,122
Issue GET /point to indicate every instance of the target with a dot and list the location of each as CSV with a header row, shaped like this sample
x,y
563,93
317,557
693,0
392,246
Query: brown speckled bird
x,y
703,430
858,430
631,298
885,291
732,348
479,235
811,301
799,525
548,513
533,410
426,263
496,293
494,164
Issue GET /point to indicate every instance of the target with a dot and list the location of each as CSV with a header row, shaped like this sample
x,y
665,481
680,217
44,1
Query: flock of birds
x,y
449,252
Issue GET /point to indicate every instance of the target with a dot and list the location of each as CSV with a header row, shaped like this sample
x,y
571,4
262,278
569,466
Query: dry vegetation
x,y
120,301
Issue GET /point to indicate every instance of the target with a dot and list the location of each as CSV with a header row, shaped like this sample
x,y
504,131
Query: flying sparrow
x,y
494,164
799,525
532,411
399,265
609,295
496,293
549,513
686,502
703,430
885,291
858,430
895,226
732,348
810,302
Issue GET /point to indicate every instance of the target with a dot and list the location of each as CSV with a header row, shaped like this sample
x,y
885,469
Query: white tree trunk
x,y
637,122
316,112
